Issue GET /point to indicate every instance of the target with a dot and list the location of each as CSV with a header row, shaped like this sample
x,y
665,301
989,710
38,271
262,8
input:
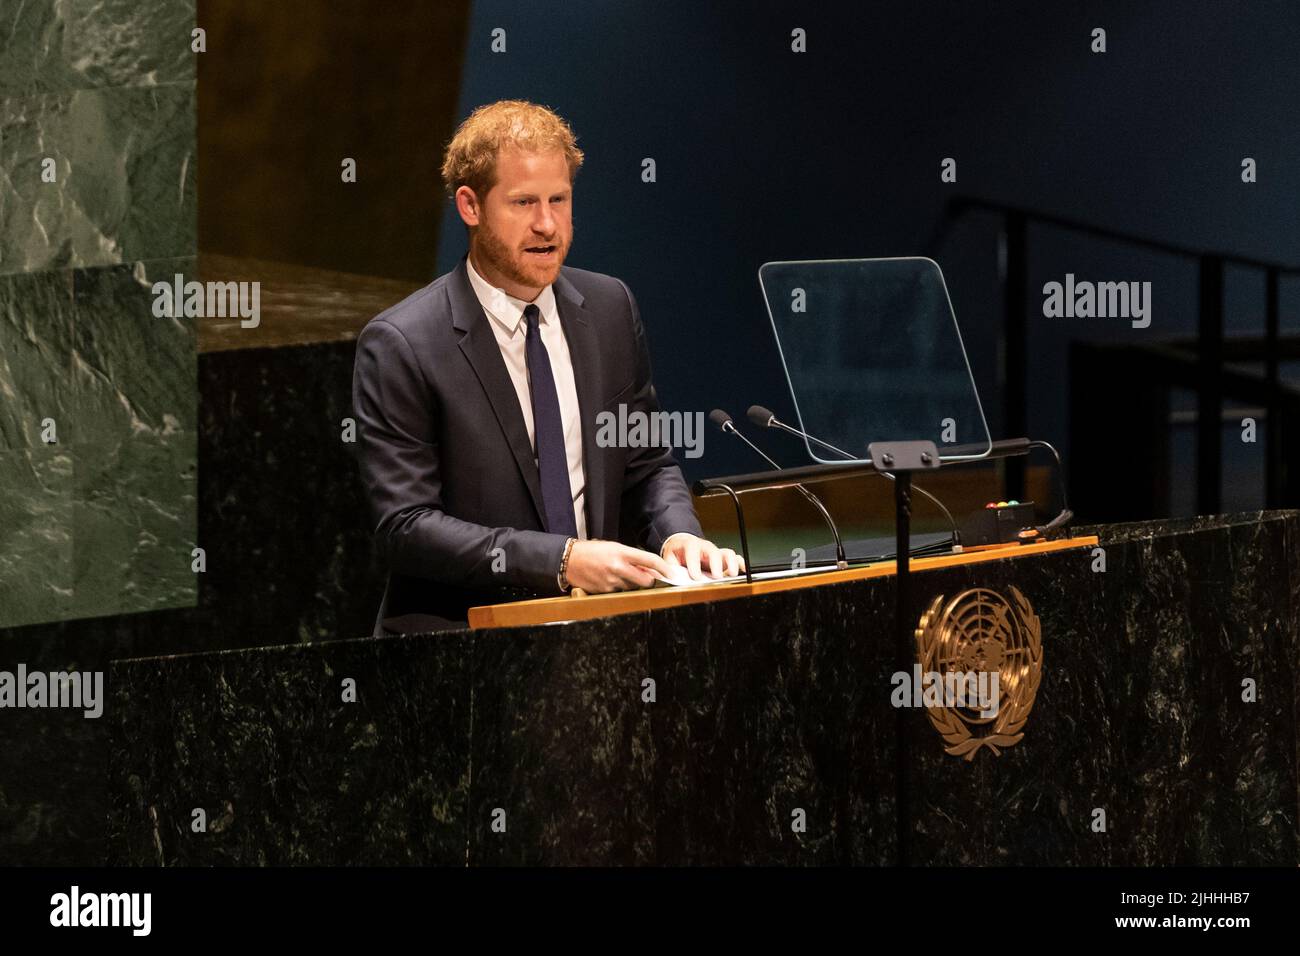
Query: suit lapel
x,y
484,355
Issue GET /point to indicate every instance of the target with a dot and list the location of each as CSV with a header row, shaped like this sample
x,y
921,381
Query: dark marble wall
x,y
101,520
281,515
763,707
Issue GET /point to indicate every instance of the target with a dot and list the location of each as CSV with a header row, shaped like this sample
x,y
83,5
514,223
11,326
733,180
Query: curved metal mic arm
x,y
841,561
774,422
740,523
1066,515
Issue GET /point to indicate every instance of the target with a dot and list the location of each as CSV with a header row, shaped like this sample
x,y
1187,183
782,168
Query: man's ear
x,y
468,206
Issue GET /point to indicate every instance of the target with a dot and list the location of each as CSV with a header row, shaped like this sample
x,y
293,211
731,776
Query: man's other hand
x,y
697,556
601,566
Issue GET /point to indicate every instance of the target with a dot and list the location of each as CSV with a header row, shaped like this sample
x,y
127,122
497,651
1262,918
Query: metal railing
x,y
1199,365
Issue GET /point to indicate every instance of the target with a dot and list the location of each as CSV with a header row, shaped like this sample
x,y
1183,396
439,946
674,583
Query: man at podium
x,y
477,400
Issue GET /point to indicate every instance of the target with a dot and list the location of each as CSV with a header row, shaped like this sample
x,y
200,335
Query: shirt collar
x,y
504,309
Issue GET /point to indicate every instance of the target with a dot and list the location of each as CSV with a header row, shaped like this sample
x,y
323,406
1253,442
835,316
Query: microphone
x,y
766,418
725,424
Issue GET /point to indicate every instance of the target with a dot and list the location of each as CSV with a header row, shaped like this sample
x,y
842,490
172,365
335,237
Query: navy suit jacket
x,y
444,452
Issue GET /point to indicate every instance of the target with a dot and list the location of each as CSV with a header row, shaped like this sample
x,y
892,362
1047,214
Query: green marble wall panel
x,y
130,42
35,535
102,521
133,524
35,355
84,44
124,167
133,373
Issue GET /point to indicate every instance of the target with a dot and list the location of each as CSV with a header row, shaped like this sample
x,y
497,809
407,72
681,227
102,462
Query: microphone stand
x,y
900,459
762,417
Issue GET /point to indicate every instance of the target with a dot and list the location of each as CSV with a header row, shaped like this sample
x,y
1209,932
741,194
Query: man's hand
x,y
600,566
696,555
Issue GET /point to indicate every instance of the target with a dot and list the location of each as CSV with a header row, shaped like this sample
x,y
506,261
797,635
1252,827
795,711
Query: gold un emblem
x,y
981,631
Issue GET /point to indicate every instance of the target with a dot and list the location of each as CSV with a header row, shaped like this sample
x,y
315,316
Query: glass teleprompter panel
x,y
872,352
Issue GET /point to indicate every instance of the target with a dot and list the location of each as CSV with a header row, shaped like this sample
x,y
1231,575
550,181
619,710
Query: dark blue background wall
x,y
766,154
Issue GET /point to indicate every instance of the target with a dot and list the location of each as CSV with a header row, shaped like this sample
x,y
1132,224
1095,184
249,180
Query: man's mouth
x,y
541,252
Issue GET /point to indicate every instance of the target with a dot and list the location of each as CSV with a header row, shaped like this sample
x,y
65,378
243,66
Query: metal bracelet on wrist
x,y
564,565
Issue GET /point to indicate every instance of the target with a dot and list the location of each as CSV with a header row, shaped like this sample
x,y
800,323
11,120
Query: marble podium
x,y
538,745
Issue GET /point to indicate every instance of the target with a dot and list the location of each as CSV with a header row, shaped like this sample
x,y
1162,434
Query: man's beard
x,y
513,263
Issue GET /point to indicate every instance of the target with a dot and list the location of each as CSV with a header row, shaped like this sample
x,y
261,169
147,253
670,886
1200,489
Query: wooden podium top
x,y
583,607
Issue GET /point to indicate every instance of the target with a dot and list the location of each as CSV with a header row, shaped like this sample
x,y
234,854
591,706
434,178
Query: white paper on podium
x,y
681,578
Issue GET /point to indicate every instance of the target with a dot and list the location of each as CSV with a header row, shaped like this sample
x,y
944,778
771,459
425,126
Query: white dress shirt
x,y
506,317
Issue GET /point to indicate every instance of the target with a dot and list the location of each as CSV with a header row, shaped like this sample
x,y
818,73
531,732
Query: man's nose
x,y
544,222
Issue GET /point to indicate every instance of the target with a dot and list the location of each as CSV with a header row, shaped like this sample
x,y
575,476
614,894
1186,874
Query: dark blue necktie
x,y
548,432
